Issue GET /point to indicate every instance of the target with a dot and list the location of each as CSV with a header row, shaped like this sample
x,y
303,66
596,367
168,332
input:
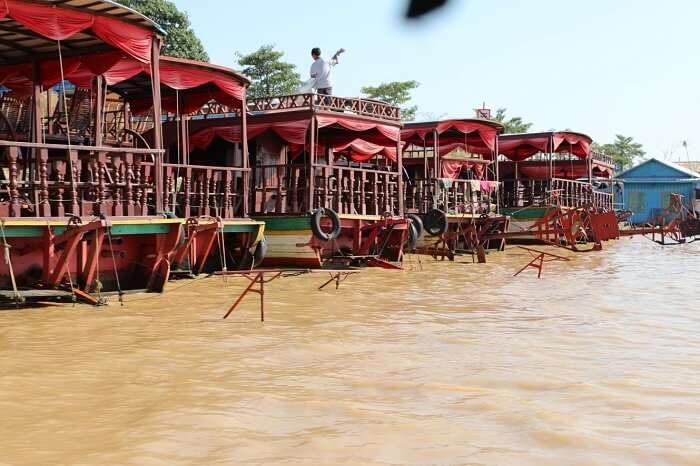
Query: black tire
x,y
412,238
418,223
260,252
435,222
316,217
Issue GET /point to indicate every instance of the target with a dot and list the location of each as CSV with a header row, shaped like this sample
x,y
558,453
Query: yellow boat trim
x,y
289,232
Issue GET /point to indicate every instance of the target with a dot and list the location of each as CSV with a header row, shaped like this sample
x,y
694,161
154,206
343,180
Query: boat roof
x,y
437,123
31,29
527,136
520,146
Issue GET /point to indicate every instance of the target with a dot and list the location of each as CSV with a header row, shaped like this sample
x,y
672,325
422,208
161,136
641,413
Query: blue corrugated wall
x,y
653,197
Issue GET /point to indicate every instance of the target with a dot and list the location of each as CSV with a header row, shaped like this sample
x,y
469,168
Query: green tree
x,y
395,93
269,75
512,125
623,150
181,40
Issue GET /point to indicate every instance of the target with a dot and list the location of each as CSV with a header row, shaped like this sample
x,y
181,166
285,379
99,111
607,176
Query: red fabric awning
x,y
361,150
477,137
523,147
451,168
519,147
116,68
293,132
53,22
576,144
392,133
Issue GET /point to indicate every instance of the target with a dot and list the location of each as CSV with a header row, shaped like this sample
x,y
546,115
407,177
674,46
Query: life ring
x,y
435,222
316,224
413,236
260,252
417,223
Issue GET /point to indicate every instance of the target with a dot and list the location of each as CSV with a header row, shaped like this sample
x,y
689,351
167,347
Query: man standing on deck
x,y
321,71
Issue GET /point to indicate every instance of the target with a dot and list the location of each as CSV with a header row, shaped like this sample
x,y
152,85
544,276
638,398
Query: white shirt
x,y
321,72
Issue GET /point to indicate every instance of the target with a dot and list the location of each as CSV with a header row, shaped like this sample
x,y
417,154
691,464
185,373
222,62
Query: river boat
x,y
452,184
326,177
86,204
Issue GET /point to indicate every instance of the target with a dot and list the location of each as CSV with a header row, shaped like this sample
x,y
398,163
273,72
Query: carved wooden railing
x,y
54,180
578,194
525,193
199,190
456,196
602,157
346,190
355,105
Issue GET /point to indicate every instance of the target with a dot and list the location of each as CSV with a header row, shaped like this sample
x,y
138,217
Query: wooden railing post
x,y
15,206
129,183
187,181
74,165
60,167
44,209
101,185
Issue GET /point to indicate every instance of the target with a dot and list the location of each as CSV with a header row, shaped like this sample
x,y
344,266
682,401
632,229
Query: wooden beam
x,y
157,125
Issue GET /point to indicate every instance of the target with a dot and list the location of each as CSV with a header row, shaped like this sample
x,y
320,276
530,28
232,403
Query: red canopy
x,y
293,132
475,136
374,138
518,147
392,133
50,20
225,86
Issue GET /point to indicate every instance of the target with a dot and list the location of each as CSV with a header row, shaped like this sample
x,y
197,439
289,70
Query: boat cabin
x,y
82,192
543,169
449,166
325,155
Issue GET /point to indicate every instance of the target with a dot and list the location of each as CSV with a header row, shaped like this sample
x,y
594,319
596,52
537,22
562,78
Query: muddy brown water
x,y
597,363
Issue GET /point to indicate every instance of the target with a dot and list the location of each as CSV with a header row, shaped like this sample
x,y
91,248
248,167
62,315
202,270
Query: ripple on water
x,y
458,363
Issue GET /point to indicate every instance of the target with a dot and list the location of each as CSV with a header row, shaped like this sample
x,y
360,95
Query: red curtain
x,y
576,144
391,133
361,150
59,23
293,132
479,137
116,67
451,168
521,147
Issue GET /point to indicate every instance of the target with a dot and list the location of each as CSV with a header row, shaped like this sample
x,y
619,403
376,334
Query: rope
x,y
70,159
222,250
114,265
8,260
98,283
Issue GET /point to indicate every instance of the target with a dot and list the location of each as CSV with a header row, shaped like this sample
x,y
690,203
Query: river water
x,y
597,363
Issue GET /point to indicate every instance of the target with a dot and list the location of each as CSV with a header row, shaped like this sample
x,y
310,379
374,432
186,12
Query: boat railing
x,y
55,180
572,193
203,190
454,196
356,105
542,193
602,157
347,190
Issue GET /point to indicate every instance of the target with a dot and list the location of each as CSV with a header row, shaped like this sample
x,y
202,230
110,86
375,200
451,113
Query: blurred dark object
x,y
418,8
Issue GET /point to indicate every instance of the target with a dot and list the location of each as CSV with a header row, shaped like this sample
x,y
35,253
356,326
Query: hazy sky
x,y
600,66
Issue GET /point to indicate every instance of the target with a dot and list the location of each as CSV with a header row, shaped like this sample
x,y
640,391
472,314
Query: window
x,y
665,200
636,201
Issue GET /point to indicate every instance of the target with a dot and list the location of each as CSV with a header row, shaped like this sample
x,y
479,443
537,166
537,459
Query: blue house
x,y
648,187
